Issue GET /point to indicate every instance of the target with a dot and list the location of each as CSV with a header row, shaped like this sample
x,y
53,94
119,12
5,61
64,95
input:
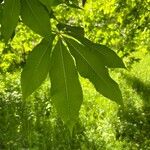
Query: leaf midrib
x,y
66,85
34,14
13,7
89,65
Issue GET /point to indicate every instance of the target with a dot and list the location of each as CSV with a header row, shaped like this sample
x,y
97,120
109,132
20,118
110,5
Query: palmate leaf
x,y
10,18
36,16
37,67
90,66
66,91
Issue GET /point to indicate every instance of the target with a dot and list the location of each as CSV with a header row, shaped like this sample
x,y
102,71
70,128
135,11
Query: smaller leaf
x,y
37,67
36,16
10,18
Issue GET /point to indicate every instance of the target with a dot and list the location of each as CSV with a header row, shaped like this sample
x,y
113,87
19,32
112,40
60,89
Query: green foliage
x,y
13,54
87,55
66,90
102,124
10,18
30,11
51,3
37,67
121,25
90,66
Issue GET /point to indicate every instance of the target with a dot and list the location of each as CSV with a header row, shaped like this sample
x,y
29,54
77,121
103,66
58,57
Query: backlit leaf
x,y
76,30
1,14
49,3
66,91
37,67
107,56
36,16
10,18
90,66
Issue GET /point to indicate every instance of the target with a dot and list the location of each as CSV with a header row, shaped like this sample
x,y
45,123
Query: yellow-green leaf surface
x,y
49,3
1,13
35,15
37,67
10,18
107,56
66,91
90,66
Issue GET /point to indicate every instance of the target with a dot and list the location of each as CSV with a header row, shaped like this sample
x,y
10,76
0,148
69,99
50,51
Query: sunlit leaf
x,y
10,18
66,91
107,56
90,66
35,15
37,67
1,13
49,3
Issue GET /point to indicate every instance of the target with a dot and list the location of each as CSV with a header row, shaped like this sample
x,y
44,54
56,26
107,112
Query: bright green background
x,y
34,124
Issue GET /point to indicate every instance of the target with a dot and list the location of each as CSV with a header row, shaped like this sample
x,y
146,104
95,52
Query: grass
x,y
102,124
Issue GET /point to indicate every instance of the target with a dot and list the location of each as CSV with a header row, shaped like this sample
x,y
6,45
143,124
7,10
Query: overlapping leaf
x,y
10,18
36,16
66,91
108,56
90,66
37,67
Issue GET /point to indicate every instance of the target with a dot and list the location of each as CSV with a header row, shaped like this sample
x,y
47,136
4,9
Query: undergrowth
x,y
102,125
